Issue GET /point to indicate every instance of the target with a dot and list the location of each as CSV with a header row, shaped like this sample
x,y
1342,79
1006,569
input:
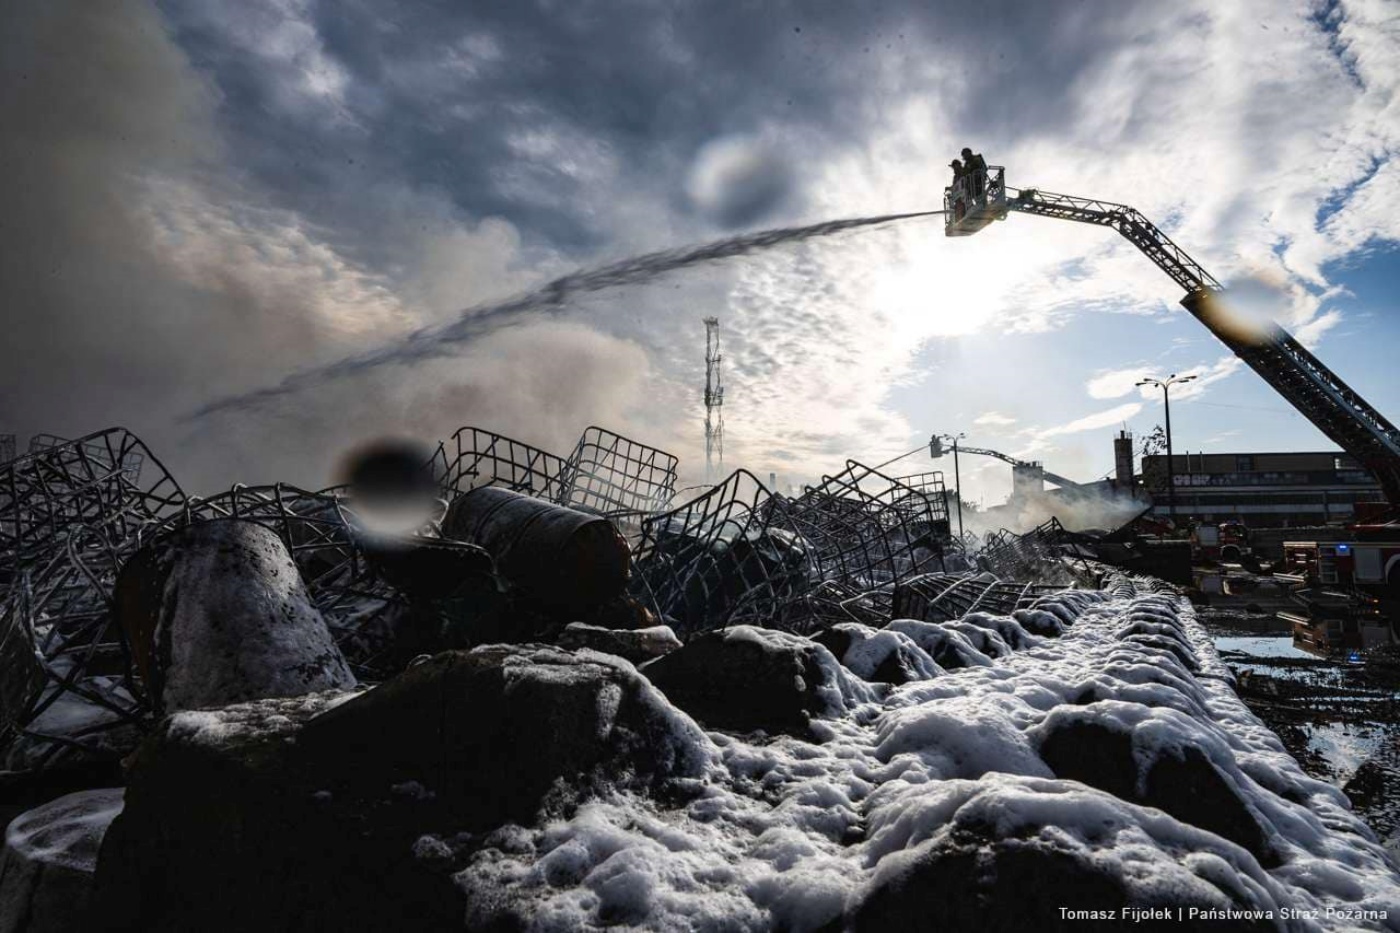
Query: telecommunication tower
x,y
714,400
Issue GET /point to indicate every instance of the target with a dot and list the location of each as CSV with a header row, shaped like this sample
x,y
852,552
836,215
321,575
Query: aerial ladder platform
x,y
1319,394
1033,466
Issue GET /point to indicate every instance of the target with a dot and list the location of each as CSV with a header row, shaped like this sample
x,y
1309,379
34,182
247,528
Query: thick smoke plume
x,y
1086,509
141,272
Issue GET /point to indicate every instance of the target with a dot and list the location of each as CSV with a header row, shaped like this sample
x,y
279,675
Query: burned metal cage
x,y
71,513
474,457
942,597
726,553
606,474
871,530
95,446
1035,555
612,475
739,553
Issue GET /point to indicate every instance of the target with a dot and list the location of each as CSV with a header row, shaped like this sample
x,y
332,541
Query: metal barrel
x,y
430,568
560,558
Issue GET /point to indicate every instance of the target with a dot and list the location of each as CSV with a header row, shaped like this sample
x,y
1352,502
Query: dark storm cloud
x,y
496,105
104,324
143,273
160,161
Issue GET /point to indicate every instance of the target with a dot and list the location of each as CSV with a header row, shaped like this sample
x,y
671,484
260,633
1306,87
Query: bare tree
x,y
1156,473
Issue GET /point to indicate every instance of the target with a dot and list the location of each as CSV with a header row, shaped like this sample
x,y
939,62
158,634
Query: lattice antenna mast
x,y
714,400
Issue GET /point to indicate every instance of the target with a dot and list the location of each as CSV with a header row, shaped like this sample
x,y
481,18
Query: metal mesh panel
x,y
611,475
474,457
830,602
870,530
606,474
738,553
720,555
1035,555
71,512
94,446
941,597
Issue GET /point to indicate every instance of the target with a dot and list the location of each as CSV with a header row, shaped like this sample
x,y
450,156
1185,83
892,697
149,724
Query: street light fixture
x,y
935,449
1165,385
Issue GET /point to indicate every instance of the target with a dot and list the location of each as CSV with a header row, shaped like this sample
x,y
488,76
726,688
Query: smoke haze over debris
x,y
204,198
554,298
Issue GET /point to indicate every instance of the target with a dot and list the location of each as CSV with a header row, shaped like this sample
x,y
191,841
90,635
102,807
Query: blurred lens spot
x,y
391,485
1248,310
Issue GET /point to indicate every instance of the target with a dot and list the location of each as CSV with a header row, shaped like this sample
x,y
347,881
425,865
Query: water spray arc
x,y
552,299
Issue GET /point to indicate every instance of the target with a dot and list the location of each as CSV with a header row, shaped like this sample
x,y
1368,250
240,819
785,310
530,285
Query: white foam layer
x,y
792,833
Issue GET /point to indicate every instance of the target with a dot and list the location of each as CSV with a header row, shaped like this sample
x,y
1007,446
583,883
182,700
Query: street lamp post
x,y
1165,385
957,476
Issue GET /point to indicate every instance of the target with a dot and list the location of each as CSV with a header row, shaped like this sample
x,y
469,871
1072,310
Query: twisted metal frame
x,y
96,448
71,513
717,556
1036,555
870,529
739,553
943,597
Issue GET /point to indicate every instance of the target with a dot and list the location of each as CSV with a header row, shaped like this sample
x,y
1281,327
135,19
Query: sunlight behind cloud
x,y
372,187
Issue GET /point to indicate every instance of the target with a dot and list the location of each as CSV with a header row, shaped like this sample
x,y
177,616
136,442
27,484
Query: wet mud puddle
x,y
1339,716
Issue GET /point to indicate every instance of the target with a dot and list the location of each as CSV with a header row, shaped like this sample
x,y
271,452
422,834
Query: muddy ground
x,y
1339,718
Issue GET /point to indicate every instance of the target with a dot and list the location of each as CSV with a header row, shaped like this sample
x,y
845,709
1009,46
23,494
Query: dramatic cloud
x,y
204,197
142,274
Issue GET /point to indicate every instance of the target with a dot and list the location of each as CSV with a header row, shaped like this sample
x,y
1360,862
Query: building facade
x,y
1264,490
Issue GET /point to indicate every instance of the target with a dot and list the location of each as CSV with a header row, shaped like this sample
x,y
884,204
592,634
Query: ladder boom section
x,y
1137,229
1317,393
1052,477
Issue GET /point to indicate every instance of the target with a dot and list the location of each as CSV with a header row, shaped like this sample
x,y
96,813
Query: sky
x,y
202,198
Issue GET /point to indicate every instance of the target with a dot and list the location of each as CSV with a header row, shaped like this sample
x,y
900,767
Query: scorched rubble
x,y
769,713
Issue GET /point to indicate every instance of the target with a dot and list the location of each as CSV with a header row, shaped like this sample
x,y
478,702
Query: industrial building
x,y
1264,490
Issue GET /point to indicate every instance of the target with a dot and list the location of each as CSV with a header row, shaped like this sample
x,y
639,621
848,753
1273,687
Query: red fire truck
x,y
1222,541
1350,589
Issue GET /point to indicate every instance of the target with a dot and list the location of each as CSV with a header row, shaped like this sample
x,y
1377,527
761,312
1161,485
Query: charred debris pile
x,y
570,695
113,580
